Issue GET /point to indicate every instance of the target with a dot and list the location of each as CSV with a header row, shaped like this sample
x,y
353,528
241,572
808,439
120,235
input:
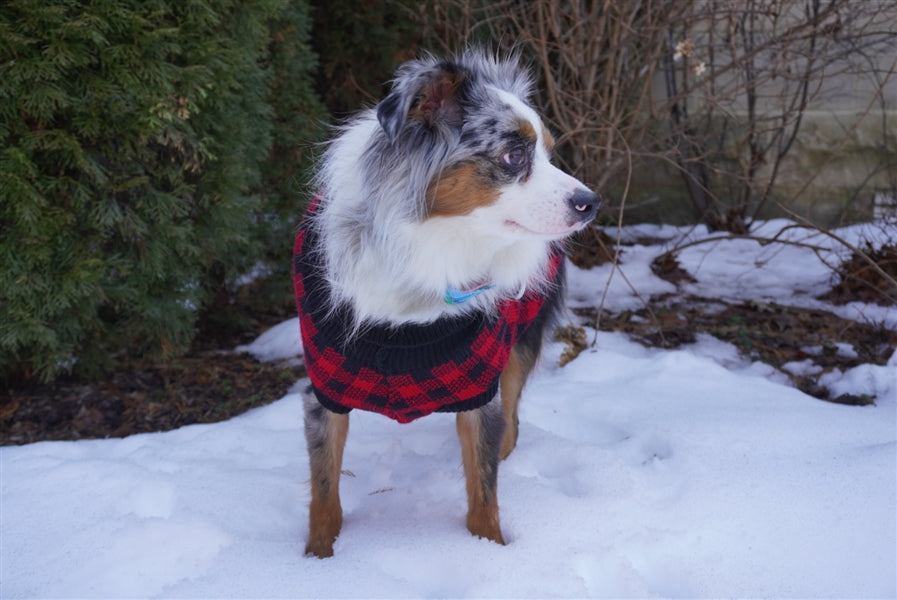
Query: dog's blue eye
x,y
515,157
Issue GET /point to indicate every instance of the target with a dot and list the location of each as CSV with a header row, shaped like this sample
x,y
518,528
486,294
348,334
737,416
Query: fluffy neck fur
x,y
387,261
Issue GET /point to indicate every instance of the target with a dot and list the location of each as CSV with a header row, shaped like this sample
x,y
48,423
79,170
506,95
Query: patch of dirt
x,y
210,384
860,280
666,266
203,388
771,333
591,247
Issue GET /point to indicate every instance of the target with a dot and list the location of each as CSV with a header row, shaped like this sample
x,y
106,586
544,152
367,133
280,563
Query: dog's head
x,y
465,131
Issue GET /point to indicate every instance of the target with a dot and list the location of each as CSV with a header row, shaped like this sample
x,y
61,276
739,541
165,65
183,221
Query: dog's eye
x,y
515,157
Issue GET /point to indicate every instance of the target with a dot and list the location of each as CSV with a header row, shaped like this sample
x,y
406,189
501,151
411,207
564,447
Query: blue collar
x,y
456,296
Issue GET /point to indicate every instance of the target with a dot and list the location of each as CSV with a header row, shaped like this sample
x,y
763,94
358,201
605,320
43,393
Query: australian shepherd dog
x,y
427,267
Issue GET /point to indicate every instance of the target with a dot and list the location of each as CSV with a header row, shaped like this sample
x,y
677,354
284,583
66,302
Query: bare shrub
x,y
740,81
596,64
717,89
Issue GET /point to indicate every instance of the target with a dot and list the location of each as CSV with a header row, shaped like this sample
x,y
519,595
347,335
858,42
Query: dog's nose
x,y
584,204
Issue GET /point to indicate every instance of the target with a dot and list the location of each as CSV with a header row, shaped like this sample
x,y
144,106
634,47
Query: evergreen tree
x,y
132,138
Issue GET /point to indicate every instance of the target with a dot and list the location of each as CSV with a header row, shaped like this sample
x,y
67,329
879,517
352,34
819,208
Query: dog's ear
x,y
430,97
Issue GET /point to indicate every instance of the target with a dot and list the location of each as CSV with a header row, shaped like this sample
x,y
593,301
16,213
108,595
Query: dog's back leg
x,y
325,434
480,433
510,386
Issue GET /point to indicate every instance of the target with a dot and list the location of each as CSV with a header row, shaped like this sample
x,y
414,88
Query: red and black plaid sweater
x,y
409,371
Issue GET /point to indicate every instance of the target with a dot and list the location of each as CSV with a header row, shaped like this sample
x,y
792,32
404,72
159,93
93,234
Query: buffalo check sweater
x,y
408,371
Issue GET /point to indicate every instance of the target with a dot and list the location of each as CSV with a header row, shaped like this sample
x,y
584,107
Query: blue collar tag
x,y
455,296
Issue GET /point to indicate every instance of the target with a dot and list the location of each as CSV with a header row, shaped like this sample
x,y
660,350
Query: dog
x,y
428,266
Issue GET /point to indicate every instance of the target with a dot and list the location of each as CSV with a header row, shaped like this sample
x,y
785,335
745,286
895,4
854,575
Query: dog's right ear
x,y
428,97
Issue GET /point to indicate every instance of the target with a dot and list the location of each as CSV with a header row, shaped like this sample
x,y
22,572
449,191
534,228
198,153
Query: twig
x,y
865,257
616,266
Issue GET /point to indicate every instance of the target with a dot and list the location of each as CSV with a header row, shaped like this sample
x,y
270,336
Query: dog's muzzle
x,y
583,205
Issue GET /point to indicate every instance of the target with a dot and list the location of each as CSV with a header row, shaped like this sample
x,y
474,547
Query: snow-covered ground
x,y
639,473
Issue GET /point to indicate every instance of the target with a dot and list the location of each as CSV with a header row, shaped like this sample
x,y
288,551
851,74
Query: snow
x,y
280,342
639,473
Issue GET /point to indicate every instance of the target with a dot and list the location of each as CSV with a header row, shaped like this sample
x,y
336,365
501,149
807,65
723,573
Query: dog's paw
x,y
492,536
319,548
323,532
485,526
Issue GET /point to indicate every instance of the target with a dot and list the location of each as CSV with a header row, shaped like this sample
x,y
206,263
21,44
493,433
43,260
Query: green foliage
x,y
299,123
133,135
359,45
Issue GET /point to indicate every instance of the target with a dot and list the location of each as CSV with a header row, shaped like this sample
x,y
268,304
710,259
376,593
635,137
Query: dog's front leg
x,y
325,434
480,432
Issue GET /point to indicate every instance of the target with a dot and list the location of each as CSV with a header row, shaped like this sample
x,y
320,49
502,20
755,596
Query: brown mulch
x,y
591,247
770,333
203,388
209,384
858,280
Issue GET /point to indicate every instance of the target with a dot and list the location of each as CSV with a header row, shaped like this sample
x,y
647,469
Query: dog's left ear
x,y
429,98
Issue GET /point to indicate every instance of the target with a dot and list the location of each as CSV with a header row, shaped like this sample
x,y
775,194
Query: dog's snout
x,y
584,204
